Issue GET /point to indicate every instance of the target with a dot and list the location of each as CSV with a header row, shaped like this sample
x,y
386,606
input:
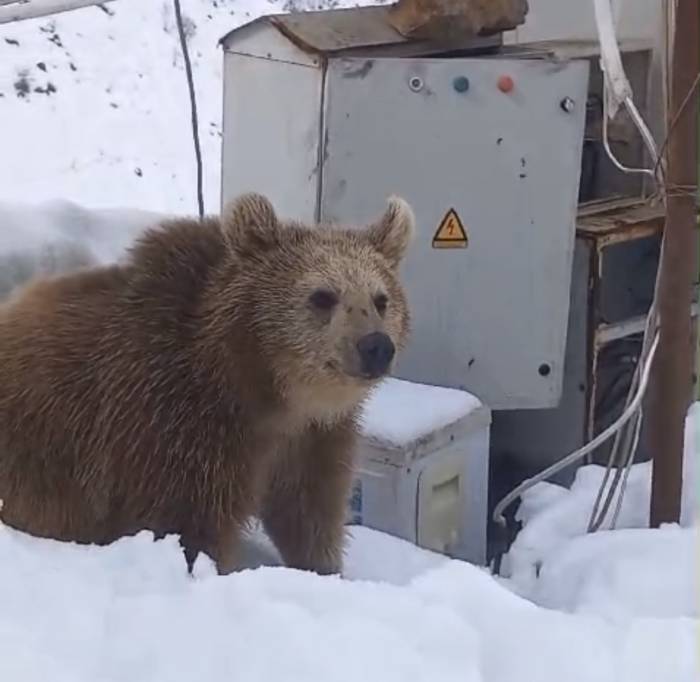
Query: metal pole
x,y
671,390
32,9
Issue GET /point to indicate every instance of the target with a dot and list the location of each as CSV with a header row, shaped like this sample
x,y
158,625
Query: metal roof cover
x,y
340,31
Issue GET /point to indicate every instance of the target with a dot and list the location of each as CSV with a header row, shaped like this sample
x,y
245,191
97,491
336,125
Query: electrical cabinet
x,y
329,113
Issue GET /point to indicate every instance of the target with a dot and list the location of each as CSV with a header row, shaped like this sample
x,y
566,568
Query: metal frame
x,y
603,226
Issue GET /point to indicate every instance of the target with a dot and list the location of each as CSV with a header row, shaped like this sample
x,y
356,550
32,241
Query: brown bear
x,y
213,377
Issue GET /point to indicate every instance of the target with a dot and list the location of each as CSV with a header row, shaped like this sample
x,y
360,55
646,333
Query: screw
x,y
567,105
461,84
544,369
415,83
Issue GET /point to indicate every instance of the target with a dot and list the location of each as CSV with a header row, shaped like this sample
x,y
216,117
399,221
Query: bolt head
x,y
415,83
567,105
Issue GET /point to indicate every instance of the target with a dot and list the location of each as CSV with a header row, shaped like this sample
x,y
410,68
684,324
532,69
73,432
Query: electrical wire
x,y
674,122
611,155
623,444
193,106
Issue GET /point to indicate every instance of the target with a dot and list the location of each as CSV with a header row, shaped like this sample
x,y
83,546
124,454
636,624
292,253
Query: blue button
x,y
461,84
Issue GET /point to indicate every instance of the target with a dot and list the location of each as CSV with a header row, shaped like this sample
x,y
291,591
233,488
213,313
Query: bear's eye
x,y
380,303
323,299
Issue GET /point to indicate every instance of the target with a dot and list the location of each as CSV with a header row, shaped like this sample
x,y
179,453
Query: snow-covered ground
x,y
129,612
94,105
631,570
94,110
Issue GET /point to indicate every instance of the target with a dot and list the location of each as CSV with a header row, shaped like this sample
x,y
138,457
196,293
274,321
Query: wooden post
x,y
671,388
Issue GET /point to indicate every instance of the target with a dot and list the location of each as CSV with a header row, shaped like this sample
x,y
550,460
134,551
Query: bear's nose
x,y
376,353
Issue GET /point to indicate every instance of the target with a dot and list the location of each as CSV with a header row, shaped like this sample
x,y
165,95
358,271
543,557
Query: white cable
x,y
643,129
617,90
656,173
610,58
628,468
597,519
592,445
606,145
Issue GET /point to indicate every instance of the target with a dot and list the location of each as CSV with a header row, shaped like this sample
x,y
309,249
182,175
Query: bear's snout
x,y
376,353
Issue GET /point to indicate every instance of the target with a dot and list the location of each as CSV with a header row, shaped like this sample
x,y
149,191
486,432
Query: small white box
x,y
423,468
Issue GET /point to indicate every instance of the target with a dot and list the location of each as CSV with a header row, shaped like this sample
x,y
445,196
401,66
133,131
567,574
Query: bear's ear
x,y
392,233
249,224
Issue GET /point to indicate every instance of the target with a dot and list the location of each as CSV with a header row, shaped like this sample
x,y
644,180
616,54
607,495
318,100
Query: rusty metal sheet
x,y
619,221
345,30
450,19
336,30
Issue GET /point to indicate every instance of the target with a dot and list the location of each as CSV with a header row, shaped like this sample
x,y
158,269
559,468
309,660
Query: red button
x,y
505,83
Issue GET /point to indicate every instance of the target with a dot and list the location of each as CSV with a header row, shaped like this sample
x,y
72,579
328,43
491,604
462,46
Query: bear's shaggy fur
x,y
214,377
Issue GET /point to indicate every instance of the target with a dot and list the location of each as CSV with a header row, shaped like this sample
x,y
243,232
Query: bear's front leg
x,y
221,545
305,503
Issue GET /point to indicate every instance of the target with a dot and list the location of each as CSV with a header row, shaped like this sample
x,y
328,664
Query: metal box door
x,y
489,317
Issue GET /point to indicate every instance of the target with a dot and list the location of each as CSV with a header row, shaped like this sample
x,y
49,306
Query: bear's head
x,y
327,307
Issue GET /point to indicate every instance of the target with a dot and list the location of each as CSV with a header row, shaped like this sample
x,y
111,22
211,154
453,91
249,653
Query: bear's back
x,y
99,394
73,322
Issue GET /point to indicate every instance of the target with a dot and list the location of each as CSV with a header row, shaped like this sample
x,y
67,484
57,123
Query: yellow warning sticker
x,y
450,233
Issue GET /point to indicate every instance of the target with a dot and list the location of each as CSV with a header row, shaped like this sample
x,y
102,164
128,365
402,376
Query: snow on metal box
x,y
422,468
403,421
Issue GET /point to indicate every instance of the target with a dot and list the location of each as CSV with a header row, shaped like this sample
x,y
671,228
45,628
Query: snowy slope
x,y
94,105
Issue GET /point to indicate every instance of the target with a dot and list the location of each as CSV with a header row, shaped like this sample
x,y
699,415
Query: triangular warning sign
x,y
450,233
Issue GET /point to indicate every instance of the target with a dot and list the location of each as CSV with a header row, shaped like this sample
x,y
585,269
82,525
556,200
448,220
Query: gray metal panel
x,y
535,439
271,124
488,316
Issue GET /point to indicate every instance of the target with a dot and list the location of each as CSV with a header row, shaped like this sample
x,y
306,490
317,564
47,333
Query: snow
x,y
401,412
616,606
623,573
105,233
57,236
114,127
130,612
629,571
95,107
